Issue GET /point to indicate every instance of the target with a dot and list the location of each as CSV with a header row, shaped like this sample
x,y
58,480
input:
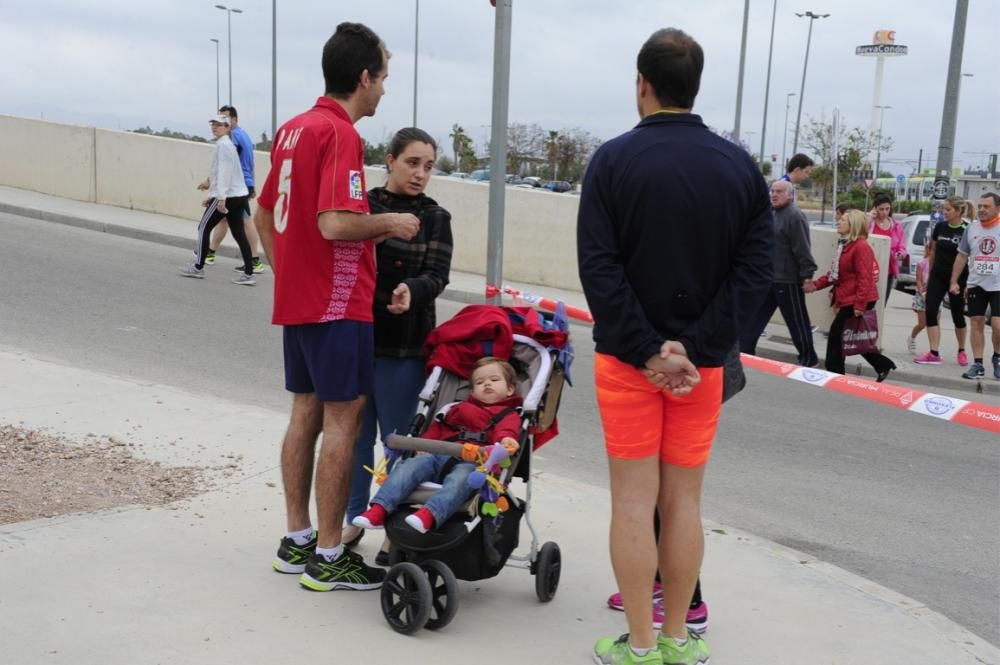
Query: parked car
x,y
560,186
916,229
533,181
480,175
459,174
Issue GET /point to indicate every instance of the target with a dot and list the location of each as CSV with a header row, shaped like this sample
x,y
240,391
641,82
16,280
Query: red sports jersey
x,y
317,164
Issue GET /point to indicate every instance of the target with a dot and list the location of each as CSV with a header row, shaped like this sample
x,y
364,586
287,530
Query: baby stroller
x,y
420,589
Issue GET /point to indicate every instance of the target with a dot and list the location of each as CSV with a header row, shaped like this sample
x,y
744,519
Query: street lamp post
x,y
767,84
274,68
784,137
416,51
229,38
739,80
212,39
805,65
878,147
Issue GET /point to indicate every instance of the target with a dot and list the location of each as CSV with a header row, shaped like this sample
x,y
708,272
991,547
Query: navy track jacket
x,y
675,236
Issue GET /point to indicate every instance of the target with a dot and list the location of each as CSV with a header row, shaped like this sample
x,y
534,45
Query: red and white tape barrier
x,y
972,414
548,304
964,412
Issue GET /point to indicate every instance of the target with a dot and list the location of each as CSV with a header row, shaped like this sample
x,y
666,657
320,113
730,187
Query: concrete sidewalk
x,y
191,582
469,287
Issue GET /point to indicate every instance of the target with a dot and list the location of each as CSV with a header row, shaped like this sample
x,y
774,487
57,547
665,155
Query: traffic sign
x,y
868,183
901,178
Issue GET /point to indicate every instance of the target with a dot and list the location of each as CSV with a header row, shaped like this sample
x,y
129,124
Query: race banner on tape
x,y
944,407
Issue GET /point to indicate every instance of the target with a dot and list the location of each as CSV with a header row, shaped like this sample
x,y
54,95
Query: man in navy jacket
x,y
674,239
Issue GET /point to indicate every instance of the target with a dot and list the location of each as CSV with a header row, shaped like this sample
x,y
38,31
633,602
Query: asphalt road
x,y
907,501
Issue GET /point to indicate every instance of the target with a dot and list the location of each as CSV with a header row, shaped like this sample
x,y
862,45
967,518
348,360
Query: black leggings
x,y
696,597
235,207
835,350
937,289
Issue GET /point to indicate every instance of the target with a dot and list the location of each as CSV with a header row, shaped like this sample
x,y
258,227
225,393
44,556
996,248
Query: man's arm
x,y
263,219
961,260
802,248
356,226
619,315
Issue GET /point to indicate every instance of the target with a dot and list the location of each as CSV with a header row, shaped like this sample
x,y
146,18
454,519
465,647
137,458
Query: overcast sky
x,y
125,64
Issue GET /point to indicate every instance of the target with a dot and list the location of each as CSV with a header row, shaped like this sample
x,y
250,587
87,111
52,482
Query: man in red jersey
x,y
319,238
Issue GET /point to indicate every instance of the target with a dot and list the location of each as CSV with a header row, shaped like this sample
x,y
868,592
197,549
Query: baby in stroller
x,y
489,415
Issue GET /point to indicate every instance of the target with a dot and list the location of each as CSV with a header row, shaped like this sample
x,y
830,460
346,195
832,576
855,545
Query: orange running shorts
x,y
641,420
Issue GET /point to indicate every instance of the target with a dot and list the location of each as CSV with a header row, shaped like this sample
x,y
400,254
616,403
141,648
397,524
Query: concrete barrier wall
x,y
160,175
47,157
824,248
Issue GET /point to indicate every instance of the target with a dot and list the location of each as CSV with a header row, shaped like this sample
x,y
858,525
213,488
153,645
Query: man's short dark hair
x,y
992,195
882,199
799,161
230,111
671,60
353,49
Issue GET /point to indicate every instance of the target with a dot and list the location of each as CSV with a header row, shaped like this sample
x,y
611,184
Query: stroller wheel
x,y
547,568
406,598
444,593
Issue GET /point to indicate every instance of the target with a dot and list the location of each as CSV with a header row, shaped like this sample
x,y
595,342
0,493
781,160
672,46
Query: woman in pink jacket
x,y
882,223
853,276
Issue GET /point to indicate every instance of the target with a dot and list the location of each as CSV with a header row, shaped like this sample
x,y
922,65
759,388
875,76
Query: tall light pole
x,y
784,137
498,149
767,84
739,80
946,143
416,51
229,38
212,39
805,66
878,147
274,68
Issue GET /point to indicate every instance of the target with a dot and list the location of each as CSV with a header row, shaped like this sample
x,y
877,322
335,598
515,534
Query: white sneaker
x,y
911,345
245,280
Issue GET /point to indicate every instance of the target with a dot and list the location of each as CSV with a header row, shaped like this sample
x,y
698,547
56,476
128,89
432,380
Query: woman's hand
x,y
400,299
859,313
221,207
809,286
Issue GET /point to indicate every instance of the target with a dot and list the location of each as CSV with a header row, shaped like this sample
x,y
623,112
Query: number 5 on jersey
x,y
284,192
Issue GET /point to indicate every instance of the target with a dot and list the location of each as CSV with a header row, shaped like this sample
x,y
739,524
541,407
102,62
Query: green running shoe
x,y
292,558
692,652
209,258
611,651
348,571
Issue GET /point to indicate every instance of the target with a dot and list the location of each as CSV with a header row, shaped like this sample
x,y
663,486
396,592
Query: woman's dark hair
x,y
672,62
351,50
406,136
844,207
880,199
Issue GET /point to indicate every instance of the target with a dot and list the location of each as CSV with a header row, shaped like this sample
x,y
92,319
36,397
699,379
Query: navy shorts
x,y
335,360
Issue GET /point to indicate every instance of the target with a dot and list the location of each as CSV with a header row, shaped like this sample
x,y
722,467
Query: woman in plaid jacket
x,y
411,275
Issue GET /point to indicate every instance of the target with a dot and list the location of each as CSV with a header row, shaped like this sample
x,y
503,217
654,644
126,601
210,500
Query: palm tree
x,y
458,142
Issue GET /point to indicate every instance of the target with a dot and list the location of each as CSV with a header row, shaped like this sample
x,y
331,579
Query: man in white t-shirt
x,y
980,250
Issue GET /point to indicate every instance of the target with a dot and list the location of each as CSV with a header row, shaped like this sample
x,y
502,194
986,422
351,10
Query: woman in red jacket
x,y
854,277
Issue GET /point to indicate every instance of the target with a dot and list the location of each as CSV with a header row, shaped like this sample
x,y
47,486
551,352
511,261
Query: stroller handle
x,y
450,448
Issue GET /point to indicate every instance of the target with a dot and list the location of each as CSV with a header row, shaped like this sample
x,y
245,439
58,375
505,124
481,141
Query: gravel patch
x,y
44,475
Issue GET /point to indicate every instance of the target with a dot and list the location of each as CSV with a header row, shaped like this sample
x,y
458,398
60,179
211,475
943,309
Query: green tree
x,y
445,163
854,145
461,146
374,154
170,134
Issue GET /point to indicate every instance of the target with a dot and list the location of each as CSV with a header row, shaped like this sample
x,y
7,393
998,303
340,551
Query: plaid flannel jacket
x,y
423,263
